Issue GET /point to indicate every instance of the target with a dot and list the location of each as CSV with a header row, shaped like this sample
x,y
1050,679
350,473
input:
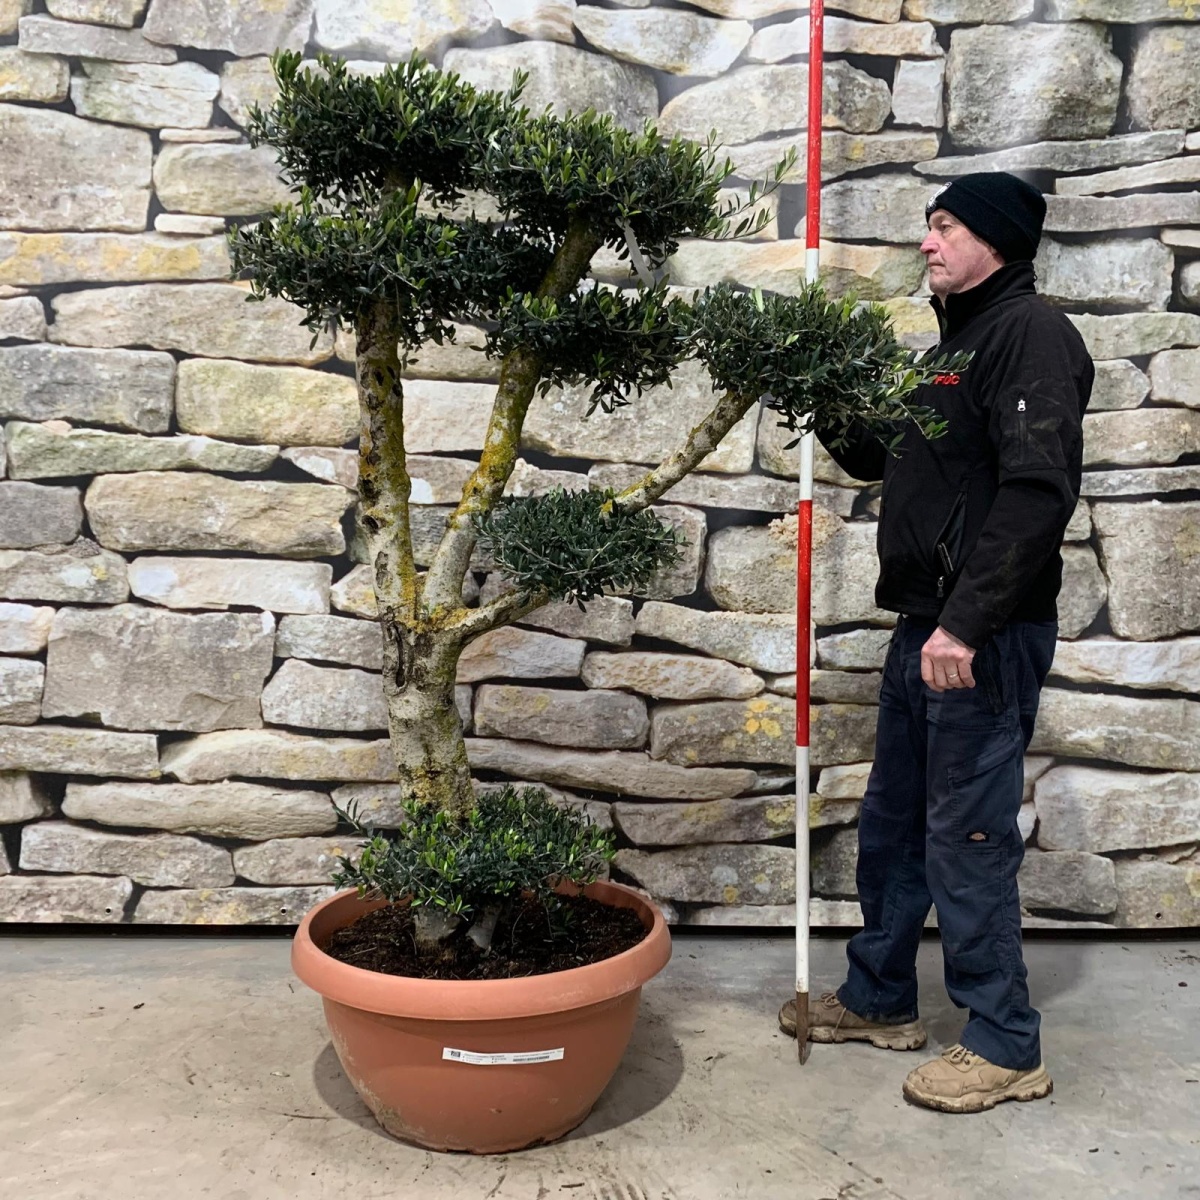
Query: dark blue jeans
x,y
939,826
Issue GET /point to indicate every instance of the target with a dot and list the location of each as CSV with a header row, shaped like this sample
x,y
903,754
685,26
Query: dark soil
x,y
531,941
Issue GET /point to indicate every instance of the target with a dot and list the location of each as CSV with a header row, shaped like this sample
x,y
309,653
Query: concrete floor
x,y
167,1068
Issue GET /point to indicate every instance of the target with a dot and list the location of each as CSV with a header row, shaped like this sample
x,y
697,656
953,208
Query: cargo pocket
x,y
985,796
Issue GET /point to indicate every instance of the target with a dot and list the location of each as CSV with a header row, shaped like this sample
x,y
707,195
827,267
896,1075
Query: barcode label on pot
x,y
519,1058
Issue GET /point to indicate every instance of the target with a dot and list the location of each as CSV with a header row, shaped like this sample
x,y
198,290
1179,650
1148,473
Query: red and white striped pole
x,y
812,259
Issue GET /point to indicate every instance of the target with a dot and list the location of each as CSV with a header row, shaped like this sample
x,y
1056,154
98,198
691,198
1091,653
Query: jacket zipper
x,y
942,551
1022,429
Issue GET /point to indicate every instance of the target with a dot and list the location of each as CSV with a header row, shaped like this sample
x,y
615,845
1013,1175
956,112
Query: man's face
x,y
956,258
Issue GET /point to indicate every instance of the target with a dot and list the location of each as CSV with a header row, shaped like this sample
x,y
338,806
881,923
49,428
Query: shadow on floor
x,y
337,1091
648,1074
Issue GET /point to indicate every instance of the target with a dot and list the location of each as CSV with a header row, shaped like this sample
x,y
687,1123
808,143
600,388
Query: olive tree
x,y
382,237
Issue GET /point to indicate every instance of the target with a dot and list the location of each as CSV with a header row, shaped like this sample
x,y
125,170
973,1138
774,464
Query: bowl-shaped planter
x,y
480,1065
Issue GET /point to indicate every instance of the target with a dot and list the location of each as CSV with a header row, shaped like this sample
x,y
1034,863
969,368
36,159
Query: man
x,y
970,529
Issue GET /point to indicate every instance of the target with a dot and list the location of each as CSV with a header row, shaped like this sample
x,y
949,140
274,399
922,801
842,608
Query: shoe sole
x,y
1036,1086
896,1037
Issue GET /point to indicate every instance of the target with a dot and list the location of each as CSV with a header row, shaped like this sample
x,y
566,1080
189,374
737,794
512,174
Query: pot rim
x,y
485,999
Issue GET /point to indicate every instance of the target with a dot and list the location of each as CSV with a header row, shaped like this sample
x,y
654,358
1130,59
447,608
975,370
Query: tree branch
x,y
702,440
383,482
518,381
504,610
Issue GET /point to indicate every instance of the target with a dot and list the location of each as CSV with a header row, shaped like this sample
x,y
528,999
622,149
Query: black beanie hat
x,y
1006,212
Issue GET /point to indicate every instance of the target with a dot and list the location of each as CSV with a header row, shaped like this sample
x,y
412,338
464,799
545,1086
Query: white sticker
x,y
520,1058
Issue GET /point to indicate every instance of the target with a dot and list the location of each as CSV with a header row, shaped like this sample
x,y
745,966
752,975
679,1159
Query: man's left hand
x,y
946,662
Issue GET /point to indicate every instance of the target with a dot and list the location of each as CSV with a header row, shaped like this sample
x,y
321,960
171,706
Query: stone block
x,y
229,810
229,906
617,772
646,430
1153,482
753,819
55,450
1162,734
1157,895
22,798
607,619
676,41
76,574
748,493
145,94
762,641
217,180
243,27
1141,178
154,860
11,11
834,859
22,318
24,628
1116,272
1084,591
1117,12
40,78
77,39
1067,881
1009,84
361,28
917,91
61,750
670,676
21,682
62,172
173,671
32,514
330,639
895,39
848,782
871,272
591,719
281,405
121,13
79,899
960,12
271,585
246,82
41,259
296,860
1164,600
1134,335
275,754
841,153
1088,809
1084,154
564,78
128,389
1162,80
176,510
1140,437
753,569
1175,377
887,208
756,101
207,319
760,730
1120,384
546,20
326,463
512,653
719,874
311,697
1087,214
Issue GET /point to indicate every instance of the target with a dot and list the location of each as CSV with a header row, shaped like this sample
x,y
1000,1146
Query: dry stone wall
x,y
188,661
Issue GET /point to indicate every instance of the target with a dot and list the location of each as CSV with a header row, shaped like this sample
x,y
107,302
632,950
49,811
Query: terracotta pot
x,y
396,1037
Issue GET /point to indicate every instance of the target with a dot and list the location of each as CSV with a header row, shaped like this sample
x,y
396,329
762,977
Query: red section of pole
x,y
816,79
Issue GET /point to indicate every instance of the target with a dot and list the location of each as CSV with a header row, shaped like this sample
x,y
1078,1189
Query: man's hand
x,y
946,662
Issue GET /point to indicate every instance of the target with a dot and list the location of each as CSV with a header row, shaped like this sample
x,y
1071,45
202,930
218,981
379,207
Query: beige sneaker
x,y
829,1020
963,1082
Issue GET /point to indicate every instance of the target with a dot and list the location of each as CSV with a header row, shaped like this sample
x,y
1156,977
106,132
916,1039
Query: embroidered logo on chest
x,y
947,380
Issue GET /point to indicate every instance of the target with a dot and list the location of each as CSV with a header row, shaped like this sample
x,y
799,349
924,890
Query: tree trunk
x,y
419,667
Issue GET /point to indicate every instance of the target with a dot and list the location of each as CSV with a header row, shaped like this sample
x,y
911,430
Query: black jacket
x,y
971,524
